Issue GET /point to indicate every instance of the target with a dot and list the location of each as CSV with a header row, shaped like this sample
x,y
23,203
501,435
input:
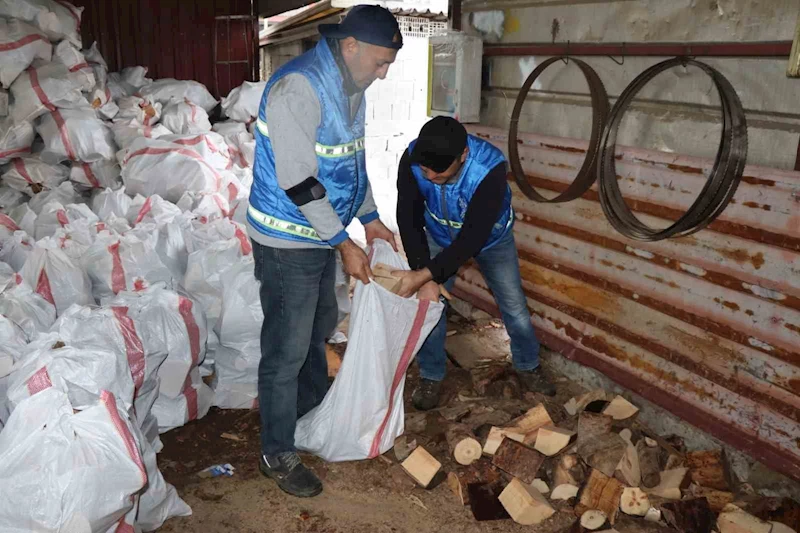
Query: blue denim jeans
x,y
299,303
500,268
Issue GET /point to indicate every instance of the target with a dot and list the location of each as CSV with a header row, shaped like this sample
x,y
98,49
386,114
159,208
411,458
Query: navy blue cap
x,y
441,140
368,24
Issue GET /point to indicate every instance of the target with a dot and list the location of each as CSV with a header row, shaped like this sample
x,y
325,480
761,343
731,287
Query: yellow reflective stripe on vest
x,y
323,150
282,225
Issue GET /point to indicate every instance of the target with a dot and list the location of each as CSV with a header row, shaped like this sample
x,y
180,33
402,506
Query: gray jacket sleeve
x,y
293,116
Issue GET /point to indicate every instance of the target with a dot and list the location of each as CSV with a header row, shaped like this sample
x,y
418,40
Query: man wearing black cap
x,y
310,181
454,203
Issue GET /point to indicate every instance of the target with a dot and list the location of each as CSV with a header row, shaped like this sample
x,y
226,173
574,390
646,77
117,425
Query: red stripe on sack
x,y
117,271
108,95
194,109
182,151
62,129
61,216
185,309
233,192
15,151
247,248
43,287
18,279
28,39
139,285
87,169
79,66
124,527
8,223
72,11
400,371
189,392
130,443
148,131
39,381
218,201
148,204
133,345
100,226
37,88
19,164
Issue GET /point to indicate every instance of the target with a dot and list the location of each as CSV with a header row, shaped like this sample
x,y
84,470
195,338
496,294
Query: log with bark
x,y
600,492
592,425
518,460
496,436
569,470
462,443
603,452
689,516
648,464
717,499
709,468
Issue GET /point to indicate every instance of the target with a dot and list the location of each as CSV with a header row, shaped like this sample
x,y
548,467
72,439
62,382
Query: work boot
x,y
535,381
426,395
290,474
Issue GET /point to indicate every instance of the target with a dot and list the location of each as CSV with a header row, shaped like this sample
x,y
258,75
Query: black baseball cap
x,y
368,24
441,140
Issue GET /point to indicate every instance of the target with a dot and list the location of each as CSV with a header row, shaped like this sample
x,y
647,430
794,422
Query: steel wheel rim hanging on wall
x,y
723,179
587,173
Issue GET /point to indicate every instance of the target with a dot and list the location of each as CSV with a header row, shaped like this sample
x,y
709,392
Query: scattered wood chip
x,y
653,515
525,504
620,409
541,486
421,466
231,436
416,501
634,502
564,492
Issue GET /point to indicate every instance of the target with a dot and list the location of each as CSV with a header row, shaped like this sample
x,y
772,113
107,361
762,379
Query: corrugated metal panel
x,y
707,326
174,39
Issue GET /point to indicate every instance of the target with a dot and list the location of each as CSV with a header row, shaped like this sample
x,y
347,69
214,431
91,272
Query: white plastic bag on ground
x,y
16,139
242,103
43,89
160,501
77,135
235,381
363,413
65,471
58,19
20,44
127,131
110,202
143,110
31,175
174,321
179,169
123,263
192,403
56,277
101,174
168,89
185,118
26,308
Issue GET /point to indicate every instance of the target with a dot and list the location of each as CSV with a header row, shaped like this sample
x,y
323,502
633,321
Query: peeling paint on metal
x,y
697,271
640,253
764,293
759,344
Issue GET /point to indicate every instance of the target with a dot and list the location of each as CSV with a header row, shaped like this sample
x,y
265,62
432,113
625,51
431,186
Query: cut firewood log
x,y
564,492
620,409
628,470
518,460
456,413
717,499
483,377
783,510
734,520
541,486
480,472
421,466
551,440
592,425
525,504
382,273
593,519
463,445
634,502
671,485
603,452
600,492
648,464
569,471
496,436
689,516
533,419
578,403
709,469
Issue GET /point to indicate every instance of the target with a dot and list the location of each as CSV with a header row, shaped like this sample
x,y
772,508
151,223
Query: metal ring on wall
x,y
722,181
588,172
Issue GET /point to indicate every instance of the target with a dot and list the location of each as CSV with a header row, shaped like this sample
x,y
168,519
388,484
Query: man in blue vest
x,y
454,203
310,182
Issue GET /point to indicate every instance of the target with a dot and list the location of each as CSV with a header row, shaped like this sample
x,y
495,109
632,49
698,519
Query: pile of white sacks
x,y
125,274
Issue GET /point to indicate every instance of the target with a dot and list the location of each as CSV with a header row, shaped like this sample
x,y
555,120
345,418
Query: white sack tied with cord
x,y
55,216
127,131
64,194
29,310
16,139
42,89
77,135
128,81
31,175
168,90
242,103
52,274
20,44
101,174
25,218
208,145
88,466
142,110
79,70
178,169
363,413
185,117
57,19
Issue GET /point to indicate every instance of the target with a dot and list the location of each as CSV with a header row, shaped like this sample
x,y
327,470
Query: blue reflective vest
x,y
340,153
446,205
